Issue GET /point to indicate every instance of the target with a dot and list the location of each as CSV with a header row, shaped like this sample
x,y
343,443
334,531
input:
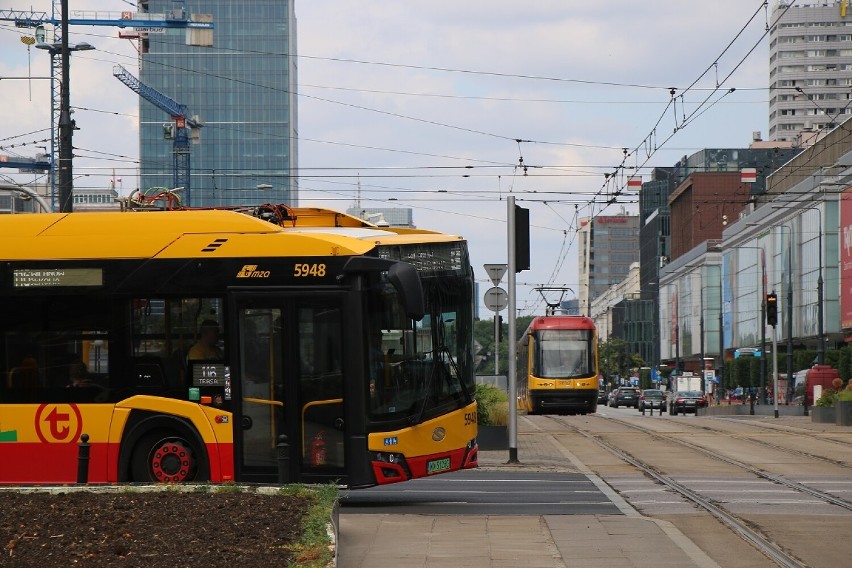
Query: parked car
x,y
625,396
651,399
686,401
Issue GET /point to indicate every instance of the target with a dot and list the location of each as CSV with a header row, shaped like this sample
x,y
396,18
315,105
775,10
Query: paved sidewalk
x,y
594,541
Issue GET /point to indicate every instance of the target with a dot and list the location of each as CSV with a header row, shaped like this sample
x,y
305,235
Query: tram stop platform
x,y
623,540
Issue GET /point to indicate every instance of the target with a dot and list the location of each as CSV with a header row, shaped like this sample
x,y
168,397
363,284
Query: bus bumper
x,y
392,468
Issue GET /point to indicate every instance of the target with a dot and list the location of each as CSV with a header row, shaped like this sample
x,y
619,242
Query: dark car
x,y
603,396
686,401
625,396
651,399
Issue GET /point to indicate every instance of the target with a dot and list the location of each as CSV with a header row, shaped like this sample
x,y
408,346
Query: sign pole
x,y
496,300
496,343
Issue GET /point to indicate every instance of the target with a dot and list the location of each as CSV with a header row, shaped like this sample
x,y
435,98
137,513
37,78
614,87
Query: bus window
x,y
320,343
262,390
40,366
163,332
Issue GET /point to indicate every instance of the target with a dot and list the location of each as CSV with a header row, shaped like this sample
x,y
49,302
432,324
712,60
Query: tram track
x,y
788,429
777,447
746,530
780,480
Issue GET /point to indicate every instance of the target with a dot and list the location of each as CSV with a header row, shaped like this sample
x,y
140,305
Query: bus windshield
x,y
564,353
419,369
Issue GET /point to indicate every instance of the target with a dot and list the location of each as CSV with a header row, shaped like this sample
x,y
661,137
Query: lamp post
x,y
701,335
790,379
820,328
721,377
763,330
66,125
677,331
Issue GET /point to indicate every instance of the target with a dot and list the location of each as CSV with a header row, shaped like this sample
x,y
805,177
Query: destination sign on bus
x,y
56,277
209,375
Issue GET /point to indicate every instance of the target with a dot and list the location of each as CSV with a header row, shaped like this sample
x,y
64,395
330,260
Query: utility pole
x,y
66,125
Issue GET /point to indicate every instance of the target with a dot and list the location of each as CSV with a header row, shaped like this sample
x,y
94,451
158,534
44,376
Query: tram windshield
x,y
564,353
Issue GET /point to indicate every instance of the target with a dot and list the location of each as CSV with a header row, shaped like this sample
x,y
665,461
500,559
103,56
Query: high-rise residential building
x,y
810,67
243,90
608,245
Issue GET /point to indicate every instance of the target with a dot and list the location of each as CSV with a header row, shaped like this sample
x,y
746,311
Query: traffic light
x,y
500,328
522,239
772,309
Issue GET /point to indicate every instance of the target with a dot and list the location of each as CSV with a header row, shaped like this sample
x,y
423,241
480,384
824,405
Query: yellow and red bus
x,y
558,366
340,351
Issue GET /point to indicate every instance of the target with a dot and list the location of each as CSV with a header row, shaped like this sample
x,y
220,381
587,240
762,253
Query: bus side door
x,y
289,380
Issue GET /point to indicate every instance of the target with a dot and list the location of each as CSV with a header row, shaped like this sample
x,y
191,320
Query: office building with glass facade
x,y
243,90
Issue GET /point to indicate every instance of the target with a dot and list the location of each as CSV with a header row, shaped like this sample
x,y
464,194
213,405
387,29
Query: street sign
x,y
496,299
496,272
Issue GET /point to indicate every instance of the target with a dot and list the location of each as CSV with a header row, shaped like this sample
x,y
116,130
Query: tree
x,y
613,358
483,336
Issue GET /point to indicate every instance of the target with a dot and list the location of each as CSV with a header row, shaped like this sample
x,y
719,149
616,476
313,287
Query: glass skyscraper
x,y
243,90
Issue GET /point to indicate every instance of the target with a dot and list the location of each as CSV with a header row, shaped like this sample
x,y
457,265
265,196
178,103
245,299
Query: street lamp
x,y
66,125
820,328
790,379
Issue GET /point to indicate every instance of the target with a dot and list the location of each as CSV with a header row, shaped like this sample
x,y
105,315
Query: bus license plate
x,y
435,466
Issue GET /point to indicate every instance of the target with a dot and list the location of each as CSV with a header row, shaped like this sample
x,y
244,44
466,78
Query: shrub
x,y
828,398
492,403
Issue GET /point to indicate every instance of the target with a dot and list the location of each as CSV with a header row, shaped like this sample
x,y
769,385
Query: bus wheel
x,y
164,458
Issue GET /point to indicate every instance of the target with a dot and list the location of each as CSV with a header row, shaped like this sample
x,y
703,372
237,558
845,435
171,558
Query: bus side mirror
x,y
406,281
402,276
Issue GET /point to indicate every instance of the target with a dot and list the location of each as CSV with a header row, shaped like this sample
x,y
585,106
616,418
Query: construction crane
x,y
182,125
199,32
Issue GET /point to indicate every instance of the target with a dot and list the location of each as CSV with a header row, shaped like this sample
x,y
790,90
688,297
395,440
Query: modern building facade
x,y
608,246
792,243
96,199
607,308
810,67
12,201
243,90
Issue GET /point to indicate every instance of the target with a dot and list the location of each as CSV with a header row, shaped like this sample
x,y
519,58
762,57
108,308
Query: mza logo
x,y
251,271
58,423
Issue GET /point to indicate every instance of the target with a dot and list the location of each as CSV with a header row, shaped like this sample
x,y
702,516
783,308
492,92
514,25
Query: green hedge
x,y
487,398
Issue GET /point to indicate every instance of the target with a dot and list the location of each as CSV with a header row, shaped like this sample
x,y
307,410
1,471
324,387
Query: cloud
x,y
563,75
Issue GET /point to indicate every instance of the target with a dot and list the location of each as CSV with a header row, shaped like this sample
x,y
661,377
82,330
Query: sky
x,y
450,107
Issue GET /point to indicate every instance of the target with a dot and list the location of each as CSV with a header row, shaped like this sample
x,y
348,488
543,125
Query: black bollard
x,y
751,398
83,459
283,460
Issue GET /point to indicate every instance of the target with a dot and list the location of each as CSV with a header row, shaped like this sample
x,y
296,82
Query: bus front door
x,y
289,381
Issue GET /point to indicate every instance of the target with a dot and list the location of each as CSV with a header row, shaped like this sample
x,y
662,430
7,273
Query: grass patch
x,y
229,487
314,549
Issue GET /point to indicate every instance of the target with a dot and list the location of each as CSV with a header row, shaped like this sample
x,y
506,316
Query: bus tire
x,y
164,457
